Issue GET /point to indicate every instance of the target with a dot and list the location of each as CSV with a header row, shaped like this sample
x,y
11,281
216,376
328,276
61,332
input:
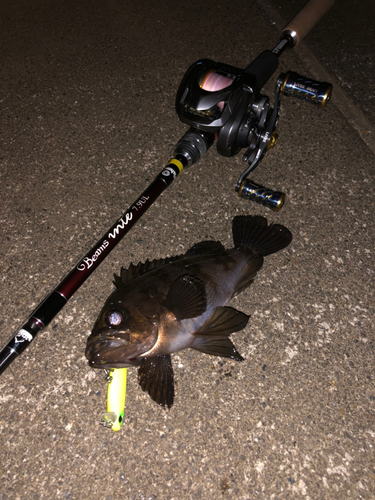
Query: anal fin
x,y
217,346
213,337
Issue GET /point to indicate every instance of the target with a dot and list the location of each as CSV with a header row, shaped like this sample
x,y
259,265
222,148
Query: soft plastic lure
x,y
116,394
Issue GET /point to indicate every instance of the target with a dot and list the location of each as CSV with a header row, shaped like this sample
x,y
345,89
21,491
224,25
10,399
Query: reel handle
x,y
305,20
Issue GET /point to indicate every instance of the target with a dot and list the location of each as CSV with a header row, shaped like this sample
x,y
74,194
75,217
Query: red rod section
x,y
54,302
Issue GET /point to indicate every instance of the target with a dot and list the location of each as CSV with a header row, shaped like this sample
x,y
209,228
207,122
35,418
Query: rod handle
x,y
306,19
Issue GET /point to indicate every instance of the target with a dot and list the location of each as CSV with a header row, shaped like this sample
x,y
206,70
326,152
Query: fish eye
x,y
114,318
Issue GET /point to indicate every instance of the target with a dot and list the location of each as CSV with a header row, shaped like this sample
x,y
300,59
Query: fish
x,y
163,306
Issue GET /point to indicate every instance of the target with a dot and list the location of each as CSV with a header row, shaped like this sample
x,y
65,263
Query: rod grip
x,y
306,19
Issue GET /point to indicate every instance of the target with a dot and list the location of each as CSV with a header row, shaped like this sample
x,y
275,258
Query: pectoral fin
x,y
213,337
186,297
155,376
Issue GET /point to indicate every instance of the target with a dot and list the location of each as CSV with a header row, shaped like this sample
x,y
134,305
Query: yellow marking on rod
x,y
116,394
178,164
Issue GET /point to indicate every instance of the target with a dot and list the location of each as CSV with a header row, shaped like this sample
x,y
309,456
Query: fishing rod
x,y
219,102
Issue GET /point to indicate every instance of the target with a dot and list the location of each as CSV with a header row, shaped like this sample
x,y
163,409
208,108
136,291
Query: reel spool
x,y
213,81
225,100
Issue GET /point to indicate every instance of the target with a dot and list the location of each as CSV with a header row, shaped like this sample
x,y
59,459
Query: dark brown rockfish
x,y
167,305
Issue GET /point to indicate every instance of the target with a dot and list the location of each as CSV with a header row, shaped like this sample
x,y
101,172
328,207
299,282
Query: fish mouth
x,y
104,351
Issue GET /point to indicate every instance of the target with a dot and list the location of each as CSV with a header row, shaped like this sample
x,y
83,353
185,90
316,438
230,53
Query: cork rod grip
x,y
306,19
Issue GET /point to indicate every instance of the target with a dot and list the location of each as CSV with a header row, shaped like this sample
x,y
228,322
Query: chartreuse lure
x,y
116,394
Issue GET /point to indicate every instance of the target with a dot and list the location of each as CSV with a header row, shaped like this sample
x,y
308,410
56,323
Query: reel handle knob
x,y
294,85
305,20
267,197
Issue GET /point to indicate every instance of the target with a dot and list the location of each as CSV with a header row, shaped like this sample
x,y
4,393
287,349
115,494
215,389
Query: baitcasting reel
x,y
227,101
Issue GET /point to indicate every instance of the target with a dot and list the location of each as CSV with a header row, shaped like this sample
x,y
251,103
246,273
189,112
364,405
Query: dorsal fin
x,y
206,247
133,271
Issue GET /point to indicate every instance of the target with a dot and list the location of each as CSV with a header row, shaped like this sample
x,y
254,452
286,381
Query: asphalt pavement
x,y
87,120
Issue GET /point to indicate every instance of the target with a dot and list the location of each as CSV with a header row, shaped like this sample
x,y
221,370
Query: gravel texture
x,y
87,121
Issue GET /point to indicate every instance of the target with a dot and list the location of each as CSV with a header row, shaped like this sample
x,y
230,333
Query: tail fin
x,y
253,233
